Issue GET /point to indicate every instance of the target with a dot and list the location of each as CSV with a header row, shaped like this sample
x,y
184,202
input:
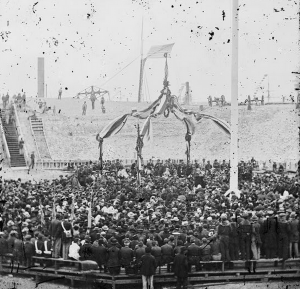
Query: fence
x,y
289,165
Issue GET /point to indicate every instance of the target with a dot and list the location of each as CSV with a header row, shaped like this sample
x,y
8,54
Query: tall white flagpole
x,y
234,99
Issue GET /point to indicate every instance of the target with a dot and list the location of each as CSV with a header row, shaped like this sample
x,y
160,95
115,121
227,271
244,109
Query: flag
x,y
53,209
42,214
114,126
160,51
72,210
147,131
90,215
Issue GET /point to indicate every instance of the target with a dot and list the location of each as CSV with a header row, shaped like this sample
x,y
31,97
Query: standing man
x,y
93,99
245,231
59,93
21,146
55,231
181,269
114,256
148,268
67,236
270,227
84,107
32,161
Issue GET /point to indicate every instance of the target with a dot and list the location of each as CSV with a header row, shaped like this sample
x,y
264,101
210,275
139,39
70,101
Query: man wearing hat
x,y
270,226
193,254
29,251
56,231
85,250
294,235
126,255
181,269
100,255
114,256
255,238
167,253
148,267
223,232
245,231
67,236
283,237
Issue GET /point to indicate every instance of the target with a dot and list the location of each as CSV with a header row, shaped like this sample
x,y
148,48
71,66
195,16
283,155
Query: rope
x,y
119,71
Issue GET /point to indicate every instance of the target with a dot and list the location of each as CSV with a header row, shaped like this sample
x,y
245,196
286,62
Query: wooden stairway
x,y
38,133
11,135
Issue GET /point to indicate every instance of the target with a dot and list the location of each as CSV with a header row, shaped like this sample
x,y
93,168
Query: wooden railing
x,y
5,146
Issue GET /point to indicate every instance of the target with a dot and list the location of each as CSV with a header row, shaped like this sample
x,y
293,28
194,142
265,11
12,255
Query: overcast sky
x,y
87,42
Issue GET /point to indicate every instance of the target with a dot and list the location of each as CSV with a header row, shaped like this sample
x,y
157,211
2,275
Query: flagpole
x,y
234,99
141,65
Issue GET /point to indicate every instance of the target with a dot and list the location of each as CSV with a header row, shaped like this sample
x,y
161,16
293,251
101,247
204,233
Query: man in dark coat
x,y
85,250
270,227
167,252
66,239
148,267
55,231
283,237
194,253
114,256
29,250
126,255
181,269
100,255
3,245
245,230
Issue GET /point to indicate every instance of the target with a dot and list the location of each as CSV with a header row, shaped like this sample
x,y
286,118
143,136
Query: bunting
x,y
219,122
114,126
147,131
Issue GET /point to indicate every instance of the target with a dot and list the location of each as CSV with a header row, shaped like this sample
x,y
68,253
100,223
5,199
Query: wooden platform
x,y
78,273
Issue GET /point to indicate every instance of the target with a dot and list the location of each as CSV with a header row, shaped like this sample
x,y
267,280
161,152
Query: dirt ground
x,y
27,283
36,175
266,132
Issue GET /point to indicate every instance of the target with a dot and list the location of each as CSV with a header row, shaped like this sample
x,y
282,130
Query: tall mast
x,y
234,98
268,88
141,65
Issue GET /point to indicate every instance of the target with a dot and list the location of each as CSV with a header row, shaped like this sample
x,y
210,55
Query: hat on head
x,y
254,218
114,241
105,228
223,216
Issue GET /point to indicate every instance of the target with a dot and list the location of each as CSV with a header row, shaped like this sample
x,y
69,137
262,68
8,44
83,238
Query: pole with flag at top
x,y
234,101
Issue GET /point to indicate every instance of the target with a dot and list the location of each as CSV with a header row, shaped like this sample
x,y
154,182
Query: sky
x,y
98,43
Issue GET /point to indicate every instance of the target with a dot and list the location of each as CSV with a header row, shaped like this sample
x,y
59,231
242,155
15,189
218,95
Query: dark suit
x,y
148,267
167,253
55,231
194,253
126,257
181,270
100,256
113,262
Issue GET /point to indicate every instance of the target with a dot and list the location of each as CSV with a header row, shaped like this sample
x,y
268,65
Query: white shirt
x,y
74,251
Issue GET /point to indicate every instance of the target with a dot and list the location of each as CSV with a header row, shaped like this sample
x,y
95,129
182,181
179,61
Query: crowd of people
x,y
102,214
